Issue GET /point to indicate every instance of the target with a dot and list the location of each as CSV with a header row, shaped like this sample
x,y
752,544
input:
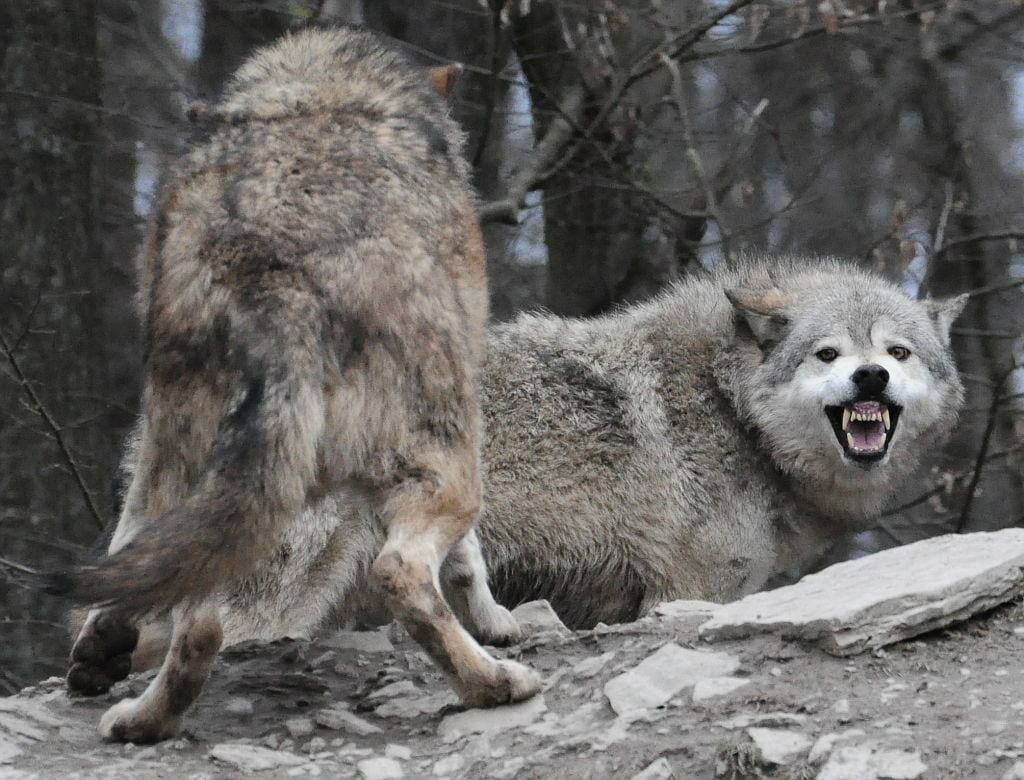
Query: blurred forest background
x,y
616,144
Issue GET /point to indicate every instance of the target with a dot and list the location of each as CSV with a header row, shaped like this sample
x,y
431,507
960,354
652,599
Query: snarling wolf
x,y
314,297
696,446
709,441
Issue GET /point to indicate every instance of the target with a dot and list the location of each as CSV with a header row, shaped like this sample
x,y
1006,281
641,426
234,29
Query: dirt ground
x,y
947,705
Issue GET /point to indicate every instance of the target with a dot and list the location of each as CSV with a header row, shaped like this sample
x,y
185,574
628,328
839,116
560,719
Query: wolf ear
x,y
944,311
443,78
763,311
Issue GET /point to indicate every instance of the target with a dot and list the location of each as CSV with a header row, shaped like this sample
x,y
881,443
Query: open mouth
x,y
864,428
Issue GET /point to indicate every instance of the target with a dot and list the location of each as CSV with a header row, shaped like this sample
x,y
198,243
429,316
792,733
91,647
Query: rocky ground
x,y
650,699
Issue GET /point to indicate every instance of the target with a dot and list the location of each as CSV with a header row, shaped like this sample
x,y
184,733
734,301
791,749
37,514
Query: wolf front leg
x,y
465,581
424,519
156,714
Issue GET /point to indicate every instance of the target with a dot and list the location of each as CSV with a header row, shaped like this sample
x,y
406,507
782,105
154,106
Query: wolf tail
x,y
252,484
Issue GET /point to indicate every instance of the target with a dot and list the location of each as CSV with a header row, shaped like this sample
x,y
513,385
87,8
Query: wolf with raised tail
x,y
314,296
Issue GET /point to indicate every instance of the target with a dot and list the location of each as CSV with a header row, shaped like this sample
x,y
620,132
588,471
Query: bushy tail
x,y
255,481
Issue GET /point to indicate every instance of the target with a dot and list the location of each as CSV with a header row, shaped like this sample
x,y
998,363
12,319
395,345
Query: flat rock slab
x,y
886,597
662,675
253,758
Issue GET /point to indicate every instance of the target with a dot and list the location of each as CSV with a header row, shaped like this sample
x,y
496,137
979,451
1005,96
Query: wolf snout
x,y
870,380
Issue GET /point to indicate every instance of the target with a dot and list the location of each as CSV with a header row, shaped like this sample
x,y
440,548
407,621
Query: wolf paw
x,y
498,627
131,721
512,682
101,656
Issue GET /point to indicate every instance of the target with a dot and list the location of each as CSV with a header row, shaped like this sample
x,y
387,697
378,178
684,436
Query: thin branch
x,y
940,230
54,428
979,462
998,287
1006,235
693,154
532,173
493,81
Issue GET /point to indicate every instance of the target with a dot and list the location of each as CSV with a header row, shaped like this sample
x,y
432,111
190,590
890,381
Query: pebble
x,y
717,686
299,728
868,761
239,707
685,608
535,617
662,675
379,768
448,765
778,747
492,721
253,758
399,752
343,720
589,667
657,770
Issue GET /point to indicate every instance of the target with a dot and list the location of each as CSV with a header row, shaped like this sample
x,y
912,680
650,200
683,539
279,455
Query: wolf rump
x,y
314,295
691,447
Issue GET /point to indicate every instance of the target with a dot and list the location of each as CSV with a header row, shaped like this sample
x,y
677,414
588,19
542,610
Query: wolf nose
x,y
871,379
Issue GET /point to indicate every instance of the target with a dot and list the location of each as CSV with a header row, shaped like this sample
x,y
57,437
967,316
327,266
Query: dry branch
x,y
39,408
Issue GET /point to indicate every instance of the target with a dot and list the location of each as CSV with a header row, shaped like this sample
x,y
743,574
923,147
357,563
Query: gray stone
x,y
361,641
686,608
400,688
882,598
657,770
343,720
239,707
868,761
492,721
253,758
778,747
397,752
766,719
8,750
717,686
662,675
379,768
537,616
21,727
299,728
1015,772
448,765
826,742
591,666
416,706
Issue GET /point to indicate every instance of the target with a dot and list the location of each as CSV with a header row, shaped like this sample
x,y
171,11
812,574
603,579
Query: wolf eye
x,y
826,355
900,353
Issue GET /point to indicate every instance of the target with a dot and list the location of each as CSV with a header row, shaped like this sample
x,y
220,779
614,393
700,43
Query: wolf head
x,y
848,380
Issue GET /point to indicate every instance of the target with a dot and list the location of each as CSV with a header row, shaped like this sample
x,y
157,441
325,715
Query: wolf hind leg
x,y
156,714
102,651
424,518
465,581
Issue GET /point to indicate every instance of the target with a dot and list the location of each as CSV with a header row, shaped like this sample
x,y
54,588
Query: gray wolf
x,y
314,297
696,446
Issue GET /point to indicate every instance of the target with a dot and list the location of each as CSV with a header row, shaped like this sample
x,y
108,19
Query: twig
x,y
54,428
998,287
979,462
643,66
532,173
493,81
1006,235
692,153
940,230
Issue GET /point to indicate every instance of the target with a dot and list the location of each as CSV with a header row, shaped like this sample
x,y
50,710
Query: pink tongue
x,y
867,435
